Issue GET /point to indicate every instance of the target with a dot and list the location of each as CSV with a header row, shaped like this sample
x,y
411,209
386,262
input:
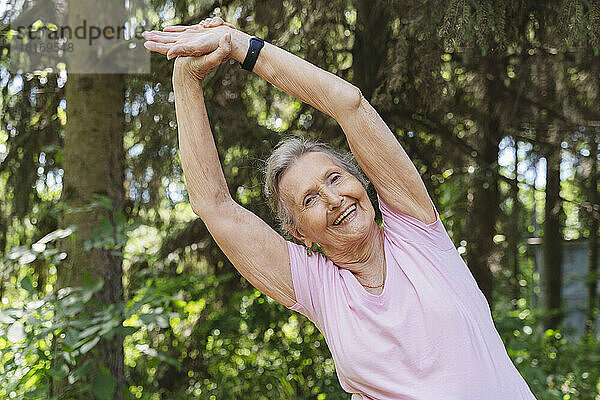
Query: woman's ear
x,y
295,232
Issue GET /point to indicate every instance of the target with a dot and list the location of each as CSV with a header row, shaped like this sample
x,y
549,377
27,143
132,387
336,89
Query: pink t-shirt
x,y
428,335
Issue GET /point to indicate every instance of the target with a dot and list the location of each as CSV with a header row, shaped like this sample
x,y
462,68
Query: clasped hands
x,y
199,48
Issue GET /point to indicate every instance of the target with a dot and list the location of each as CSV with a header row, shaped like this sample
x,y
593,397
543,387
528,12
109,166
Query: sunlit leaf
x,y
89,345
89,331
16,332
57,234
5,318
34,305
27,258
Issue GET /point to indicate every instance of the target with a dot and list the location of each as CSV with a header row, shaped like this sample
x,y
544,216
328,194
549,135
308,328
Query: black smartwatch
x,y
256,44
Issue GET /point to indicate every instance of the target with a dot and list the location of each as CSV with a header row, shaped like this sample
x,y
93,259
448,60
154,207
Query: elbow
x,y
356,98
352,98
348,102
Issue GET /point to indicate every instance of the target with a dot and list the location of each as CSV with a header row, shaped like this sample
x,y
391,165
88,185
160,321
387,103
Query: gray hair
x,y
286,152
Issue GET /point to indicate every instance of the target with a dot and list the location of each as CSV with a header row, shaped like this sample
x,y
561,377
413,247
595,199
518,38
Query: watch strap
x,y
256,44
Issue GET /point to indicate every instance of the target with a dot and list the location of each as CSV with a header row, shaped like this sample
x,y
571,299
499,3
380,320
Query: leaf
x,y
81,371
34,305
89,345
101,200
27,284
89,331
162,356
27,258
16,332
121,219
71,338
5,318
92,284
126,330
157,319
104,384
59,371
57,234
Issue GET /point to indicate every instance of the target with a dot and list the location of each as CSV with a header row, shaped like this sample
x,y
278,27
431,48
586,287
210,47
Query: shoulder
x,y
403,228
423,211
314,267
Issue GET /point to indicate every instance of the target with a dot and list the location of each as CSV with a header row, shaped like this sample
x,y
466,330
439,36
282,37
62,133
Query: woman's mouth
x,y
346,216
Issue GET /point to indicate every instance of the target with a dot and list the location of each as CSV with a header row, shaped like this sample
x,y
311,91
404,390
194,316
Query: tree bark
x,y
482,218
590,323
514,232
93,161
485,201
552,274
371,41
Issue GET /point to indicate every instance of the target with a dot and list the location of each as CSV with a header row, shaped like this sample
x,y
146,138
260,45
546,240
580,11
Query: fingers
x,y
205,23
211,22
161,48
175,28
178,50
188,50
162,37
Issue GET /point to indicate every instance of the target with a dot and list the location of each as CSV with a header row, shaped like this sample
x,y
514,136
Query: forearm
x,y
199,158
303,80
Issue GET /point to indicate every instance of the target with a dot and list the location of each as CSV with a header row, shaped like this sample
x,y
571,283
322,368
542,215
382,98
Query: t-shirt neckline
x,y
363,291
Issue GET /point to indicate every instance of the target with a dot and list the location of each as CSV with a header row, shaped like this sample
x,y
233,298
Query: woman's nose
x,y
333,199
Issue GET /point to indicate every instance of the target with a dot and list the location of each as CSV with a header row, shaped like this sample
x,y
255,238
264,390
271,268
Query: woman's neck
x,y
365,258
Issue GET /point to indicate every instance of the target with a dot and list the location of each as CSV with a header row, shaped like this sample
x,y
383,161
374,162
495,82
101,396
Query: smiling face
x,y
330,206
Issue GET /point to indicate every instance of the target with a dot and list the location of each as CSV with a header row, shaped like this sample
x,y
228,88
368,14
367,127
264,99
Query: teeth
x,y
344,215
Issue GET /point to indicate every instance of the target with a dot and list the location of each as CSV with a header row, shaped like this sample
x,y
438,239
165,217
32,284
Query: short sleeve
x,y
403,228
310,276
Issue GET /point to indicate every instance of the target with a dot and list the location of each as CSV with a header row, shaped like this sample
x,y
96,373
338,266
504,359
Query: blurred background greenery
x,y
110,287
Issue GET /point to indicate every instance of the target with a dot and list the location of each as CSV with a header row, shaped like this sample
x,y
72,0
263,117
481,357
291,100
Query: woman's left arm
x,y
374,146
386,164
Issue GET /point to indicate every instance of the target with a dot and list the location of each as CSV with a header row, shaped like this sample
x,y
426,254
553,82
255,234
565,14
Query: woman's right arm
x,y
258,252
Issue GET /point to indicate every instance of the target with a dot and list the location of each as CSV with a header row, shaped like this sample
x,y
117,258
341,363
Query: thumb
x,y
221,54
225,46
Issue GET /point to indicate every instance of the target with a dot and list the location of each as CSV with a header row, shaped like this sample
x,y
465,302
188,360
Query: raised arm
x,y
303,80
374,146
256,250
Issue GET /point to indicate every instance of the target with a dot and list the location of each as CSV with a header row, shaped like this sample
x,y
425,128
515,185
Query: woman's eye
x,y
308,200
335,177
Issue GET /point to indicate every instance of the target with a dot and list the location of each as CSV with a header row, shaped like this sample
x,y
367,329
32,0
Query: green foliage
x,y
55,337
192,327
556,363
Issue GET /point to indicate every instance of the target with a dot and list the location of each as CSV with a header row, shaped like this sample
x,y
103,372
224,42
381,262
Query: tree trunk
x,y
481,223
594,198
552,275
371,42
93,161
514,233
485,202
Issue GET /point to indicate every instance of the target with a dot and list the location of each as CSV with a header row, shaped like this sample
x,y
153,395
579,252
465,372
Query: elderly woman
x,y
399,309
